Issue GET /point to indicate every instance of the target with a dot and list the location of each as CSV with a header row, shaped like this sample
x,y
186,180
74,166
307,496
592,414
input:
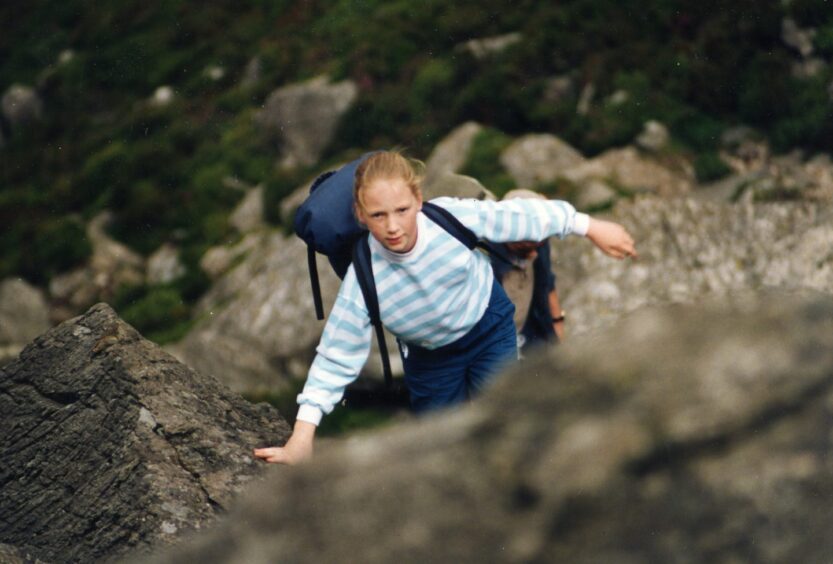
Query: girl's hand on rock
x,y
297,449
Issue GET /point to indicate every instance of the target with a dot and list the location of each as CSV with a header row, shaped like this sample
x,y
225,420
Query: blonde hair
x,y
388,165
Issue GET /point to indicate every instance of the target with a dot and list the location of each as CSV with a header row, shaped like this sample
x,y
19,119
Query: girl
x,y
439,298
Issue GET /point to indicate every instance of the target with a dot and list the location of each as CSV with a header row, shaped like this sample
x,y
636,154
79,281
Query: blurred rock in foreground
x,y
109,444
681,434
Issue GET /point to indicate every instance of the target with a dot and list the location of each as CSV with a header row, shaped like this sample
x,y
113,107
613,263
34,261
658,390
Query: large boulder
x,y
258,331
689,249
538,158
682,434
24,314
305,116
111,445
258,328
633,172
451,154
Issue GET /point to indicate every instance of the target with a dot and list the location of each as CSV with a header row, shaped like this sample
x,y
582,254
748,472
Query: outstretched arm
x,y
296,450
611,238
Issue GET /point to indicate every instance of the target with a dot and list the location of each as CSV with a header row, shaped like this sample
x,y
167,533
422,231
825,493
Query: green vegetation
x,y
697,67
484,164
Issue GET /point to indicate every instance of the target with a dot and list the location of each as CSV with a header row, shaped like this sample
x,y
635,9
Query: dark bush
x,y
62,244
153,311
709,167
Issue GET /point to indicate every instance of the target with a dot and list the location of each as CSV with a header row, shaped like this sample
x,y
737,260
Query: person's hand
x,y
296,450
611,238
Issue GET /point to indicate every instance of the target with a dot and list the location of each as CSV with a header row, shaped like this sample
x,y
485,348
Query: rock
x,y
259,328
164,266
66,56
808,68
782,178
15,555
253,72
593,195
799,39
585,99
690,249
248,215
558,89
538,158
734,137
214,72
618,98
112,265
70,293
631,171
110,445
217,260
654,136
487,46
819,171
681,434
305,116
24,314
457,186
451,154
162,96
21,106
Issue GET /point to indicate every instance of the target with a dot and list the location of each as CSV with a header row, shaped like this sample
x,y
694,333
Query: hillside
x,y
155,111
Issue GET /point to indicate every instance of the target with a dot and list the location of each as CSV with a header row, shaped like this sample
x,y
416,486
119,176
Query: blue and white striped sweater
x,y
430,296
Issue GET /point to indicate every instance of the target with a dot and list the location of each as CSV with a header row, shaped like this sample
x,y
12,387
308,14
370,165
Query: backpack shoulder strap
x,y
450,223
364,275
466,236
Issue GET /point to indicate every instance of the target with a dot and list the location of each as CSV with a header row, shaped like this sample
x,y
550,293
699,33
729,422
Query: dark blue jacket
x,y
537,327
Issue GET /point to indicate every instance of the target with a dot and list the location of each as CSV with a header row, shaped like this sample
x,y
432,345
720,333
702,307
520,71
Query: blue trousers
x,y
455,372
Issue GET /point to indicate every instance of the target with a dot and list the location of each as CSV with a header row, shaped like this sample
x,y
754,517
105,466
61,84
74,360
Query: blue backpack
x,y
326,222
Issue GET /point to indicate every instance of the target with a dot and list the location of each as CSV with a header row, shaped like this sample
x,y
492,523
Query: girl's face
x,y
389,210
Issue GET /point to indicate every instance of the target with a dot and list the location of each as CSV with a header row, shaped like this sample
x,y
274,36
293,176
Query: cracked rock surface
x,y
109,444
680,434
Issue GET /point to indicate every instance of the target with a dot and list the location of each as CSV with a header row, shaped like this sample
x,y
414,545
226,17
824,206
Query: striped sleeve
x,y
518,219
341,353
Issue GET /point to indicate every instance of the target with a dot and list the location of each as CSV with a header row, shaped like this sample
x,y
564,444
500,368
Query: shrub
x,y
709,167
60,245
152,310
